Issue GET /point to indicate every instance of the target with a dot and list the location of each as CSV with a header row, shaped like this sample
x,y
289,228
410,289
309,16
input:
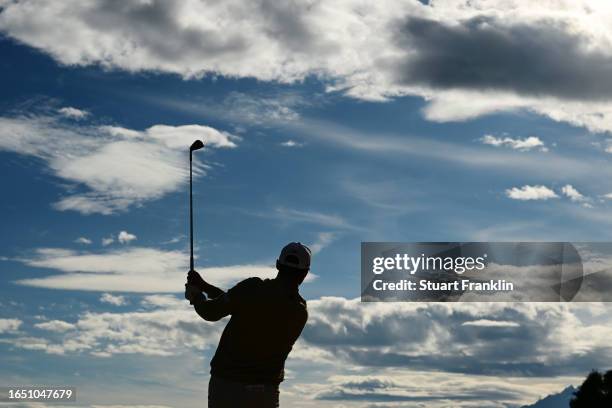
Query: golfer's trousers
x,y
229,394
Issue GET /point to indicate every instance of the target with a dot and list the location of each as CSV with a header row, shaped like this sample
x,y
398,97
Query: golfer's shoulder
x,y
254,281
249,283
245,287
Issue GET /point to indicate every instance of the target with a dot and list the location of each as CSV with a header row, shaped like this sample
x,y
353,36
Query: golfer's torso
x,y
265,323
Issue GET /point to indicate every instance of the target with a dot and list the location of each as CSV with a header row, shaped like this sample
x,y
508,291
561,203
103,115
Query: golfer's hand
x,y
194,278
193,294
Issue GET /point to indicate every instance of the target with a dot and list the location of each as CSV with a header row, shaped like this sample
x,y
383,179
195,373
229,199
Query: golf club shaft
x,y
198,144
190,212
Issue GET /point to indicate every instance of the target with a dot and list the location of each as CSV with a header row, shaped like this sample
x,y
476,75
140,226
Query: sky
x,y
329,123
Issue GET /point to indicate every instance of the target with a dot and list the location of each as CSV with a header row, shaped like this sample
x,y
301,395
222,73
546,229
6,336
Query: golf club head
x,y
197,145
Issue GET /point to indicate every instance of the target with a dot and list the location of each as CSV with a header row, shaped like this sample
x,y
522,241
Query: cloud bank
x,y
467,355
465,59
516,340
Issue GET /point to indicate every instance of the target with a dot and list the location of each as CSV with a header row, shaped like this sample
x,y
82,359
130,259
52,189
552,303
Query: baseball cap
x,y
295,255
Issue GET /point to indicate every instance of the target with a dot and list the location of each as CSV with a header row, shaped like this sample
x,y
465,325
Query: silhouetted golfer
x,y
267,317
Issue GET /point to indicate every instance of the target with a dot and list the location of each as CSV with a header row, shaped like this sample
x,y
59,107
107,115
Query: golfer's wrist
x,y
198,299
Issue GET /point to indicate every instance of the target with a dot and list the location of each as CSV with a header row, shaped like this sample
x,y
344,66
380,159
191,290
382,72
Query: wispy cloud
x,y
393,146
132,269
113,167
323,240
397,147
289,215
262,109
174,240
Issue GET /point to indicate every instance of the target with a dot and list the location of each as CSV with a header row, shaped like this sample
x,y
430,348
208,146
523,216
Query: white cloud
x,y
531,193
108,240
275,42
291,143
373,50
125,237
83,241
73,113
323,240
55,326
489,323
528,143
113,299
9,325
117,167
165,330
573,194
133,269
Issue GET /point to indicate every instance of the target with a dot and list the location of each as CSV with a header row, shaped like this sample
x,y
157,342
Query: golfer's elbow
x,y
211,317
210,312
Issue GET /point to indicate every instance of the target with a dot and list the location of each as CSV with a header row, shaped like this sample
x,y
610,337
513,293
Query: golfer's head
x,y
294,261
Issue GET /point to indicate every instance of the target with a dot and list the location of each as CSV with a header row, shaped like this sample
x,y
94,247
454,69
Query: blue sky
x,y
312,136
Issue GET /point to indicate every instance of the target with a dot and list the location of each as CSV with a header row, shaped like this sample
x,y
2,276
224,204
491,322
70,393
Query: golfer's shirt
x,y
266,320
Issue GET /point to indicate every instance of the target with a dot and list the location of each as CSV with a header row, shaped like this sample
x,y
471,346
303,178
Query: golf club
x,y
197,145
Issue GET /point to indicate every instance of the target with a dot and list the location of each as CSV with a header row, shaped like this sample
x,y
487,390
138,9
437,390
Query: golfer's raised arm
x,y
211,291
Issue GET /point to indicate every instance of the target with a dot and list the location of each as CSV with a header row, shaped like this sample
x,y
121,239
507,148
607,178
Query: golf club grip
x,y
190,302
186,284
